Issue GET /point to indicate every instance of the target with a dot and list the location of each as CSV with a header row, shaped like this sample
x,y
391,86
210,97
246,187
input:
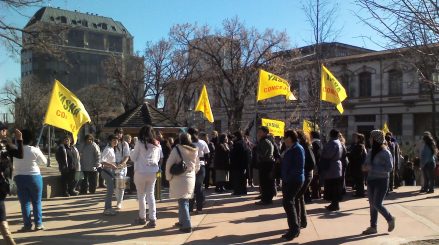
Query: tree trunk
x,y
433,107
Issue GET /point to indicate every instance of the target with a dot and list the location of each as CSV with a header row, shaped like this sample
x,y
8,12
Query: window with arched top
x,y
365,84
63,19
395,82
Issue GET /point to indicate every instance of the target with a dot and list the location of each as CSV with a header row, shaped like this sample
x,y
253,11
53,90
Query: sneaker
x,y
178,225
25,229
430,191
110,212
39,228
423,190
151,224
139,221
370,231
289,236
186,230
391,224
119,206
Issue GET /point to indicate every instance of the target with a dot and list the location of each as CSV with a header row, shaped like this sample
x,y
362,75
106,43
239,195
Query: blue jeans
x,y
110,187
30,190
198,192
377,189
184,217
428,173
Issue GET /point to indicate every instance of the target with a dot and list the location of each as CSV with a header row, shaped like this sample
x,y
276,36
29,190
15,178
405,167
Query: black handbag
x,y
180,167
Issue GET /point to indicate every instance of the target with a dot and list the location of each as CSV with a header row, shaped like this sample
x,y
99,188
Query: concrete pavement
x,y
229,220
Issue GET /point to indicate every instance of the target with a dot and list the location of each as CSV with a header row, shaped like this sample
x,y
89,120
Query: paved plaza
x,y
229,220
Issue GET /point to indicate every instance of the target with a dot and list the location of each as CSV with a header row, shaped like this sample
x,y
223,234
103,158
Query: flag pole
x,y
40,135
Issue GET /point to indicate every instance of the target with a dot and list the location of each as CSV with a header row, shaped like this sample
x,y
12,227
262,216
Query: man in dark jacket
x,y
66,157
265,161
239,161
394,149
317,148
7,151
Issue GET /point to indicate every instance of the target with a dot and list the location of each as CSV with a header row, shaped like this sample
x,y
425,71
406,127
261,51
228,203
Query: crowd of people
x,y
300,165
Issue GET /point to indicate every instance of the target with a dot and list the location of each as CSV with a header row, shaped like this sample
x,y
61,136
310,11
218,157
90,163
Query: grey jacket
x,y
381,165
330,160
90,157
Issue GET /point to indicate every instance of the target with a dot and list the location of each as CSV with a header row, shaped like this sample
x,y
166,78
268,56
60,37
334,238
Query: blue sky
x,y
151,20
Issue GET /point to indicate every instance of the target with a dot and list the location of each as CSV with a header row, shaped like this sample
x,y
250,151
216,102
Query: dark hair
x,y
194,134
89,136
111,137
315,135
429,141
376,148
264,129
292,134
28,137
147,135
303,138
334,133
238,135
118,130
360,138
222,138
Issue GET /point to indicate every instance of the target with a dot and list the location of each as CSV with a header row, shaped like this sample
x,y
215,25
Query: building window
x,y
395,82
94,25
395,124
96,41
113,28
365,80
365,118
74,22
423,122
63,19
76,38
104,26
84,23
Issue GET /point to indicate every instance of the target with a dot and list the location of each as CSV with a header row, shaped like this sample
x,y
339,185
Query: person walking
x,y
331,169
122,152
357,156
379,165
310,163
265,162
146,158
209,161
239,163
7,152
317,148
182,186
90,161
68,164
428,162
222,163
293,163
30,183
203,153
108,162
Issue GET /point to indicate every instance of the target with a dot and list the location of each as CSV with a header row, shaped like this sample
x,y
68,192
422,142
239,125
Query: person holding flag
x,y
332,91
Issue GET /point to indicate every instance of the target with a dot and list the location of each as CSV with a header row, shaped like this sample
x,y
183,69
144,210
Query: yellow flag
x,y
386,128
332,90
271,85
65,110
203,105
277,128
309,126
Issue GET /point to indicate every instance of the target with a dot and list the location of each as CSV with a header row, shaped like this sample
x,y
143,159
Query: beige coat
x,y
182,186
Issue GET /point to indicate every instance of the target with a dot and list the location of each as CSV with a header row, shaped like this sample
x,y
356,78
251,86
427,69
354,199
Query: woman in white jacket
x,y
146,157
182,186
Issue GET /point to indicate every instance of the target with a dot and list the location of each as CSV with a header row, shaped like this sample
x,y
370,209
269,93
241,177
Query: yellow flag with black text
x,y
203,105
65,110
332,90
309,126
277,128
271,85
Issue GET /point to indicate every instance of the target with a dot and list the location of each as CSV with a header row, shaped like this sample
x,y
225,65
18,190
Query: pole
x,y
40,135
49,145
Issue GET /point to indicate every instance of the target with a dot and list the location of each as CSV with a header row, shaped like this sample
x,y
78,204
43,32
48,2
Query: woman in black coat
x,y
357,156
222,163
239,159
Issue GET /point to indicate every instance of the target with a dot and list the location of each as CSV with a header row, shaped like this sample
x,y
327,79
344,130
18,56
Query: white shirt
x,y
32,157
122,150
146,160
108,155
203,149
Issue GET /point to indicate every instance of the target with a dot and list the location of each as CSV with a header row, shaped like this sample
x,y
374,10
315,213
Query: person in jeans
x,y
428,162
30,183
122,152
90,161
379,165
146,158
203,154
182,186
108,162
265,161
7,151
67,159
292,169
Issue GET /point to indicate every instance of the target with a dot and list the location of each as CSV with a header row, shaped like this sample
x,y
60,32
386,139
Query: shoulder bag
x,y
180,167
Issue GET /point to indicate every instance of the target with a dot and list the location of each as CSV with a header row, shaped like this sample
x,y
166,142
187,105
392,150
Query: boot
x,y
4,229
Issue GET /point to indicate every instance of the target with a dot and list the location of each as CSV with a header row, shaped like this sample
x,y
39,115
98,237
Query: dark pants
x,y
68,181
207,177
334,191
391,179
89,182
199,193
130,173
267,185
376,190
358,179
289,192
315,187
239,181
300,201
428,173
2,210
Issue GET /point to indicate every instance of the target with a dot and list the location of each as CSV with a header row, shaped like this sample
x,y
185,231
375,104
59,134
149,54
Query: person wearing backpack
x,y
310,163
182,185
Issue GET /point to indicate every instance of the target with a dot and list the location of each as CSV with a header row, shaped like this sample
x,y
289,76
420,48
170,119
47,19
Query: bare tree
x,y
412,27
229,59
